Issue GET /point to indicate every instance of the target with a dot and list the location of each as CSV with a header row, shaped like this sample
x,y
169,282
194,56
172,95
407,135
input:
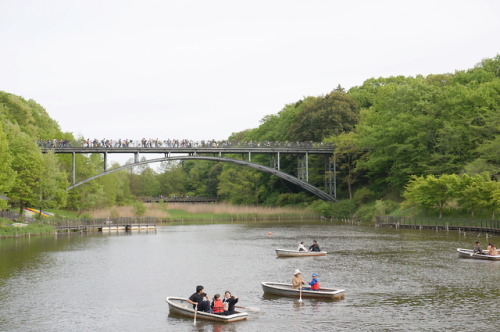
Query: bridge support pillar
x,y
136,157
307,167
331,176
303,168
105,161
73,167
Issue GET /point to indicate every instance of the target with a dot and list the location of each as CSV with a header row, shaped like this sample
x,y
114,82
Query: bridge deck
x,y
193,150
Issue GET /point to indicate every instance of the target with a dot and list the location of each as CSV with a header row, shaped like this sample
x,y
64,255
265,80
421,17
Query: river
x,y
395,279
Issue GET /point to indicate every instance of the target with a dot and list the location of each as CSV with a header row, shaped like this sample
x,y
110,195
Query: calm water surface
x,y
395,280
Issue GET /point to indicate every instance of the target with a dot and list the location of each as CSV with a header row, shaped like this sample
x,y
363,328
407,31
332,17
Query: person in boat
x,y
477,248
297,280
314,246
488,247
493,251
217,305
314,282
301,247
198,300
229,303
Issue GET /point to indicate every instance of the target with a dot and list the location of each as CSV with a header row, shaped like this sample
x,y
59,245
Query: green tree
x,y
139,208
487,160
116,187
202,177
431,192
172,178
7,174
90,195
240,185
321,117
478,193
347,154
28,164
144,181
53,183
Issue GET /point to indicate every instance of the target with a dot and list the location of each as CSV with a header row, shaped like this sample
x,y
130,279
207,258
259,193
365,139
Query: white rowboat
x,y
468,253
181,306
282,289
297,253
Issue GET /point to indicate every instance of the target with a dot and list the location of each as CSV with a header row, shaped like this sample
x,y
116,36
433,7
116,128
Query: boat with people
x,y
298,253
469,253
180,306
283,289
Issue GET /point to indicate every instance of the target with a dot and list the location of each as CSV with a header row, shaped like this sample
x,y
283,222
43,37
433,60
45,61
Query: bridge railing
x,y
156,143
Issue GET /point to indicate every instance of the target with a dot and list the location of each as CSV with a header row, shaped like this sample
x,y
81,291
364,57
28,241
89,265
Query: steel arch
x,y
312,189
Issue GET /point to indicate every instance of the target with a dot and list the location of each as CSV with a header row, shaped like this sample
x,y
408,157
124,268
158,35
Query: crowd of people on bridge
x,y
169,143
54,143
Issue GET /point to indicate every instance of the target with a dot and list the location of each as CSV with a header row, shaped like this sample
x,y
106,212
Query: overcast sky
x,y
202,69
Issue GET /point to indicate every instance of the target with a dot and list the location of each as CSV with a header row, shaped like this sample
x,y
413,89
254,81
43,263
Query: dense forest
x,y
400,143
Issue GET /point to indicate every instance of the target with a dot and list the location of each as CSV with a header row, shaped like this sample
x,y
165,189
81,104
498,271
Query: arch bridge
x,y
218,154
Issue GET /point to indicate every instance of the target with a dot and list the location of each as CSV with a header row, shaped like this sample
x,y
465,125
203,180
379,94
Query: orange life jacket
x,y
315,286
217,307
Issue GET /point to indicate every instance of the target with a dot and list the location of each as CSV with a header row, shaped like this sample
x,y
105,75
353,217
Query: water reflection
x,y
394,279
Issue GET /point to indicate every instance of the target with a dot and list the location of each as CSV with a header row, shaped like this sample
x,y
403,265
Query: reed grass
x,y
176,211
34,228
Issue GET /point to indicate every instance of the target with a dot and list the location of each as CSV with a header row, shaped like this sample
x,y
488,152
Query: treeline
x,y
386,132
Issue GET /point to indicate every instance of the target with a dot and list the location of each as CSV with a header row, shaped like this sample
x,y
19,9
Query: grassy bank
x,y
9,228
182,211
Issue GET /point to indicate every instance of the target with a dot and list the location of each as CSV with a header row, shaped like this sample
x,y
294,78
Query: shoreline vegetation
x,y
205,213
160,213
176,211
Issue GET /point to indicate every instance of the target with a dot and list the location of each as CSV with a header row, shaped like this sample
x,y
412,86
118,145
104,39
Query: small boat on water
x,y
282,289
469,253
181,306
297,253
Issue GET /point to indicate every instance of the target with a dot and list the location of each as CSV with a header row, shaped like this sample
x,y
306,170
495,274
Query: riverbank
x,y
459,224
200,211
154,213
9,228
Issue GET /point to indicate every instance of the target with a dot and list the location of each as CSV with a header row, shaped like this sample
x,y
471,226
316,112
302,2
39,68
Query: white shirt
x,y
301,246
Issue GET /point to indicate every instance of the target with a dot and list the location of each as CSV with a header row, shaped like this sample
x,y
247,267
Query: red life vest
x,y
315,286
217,307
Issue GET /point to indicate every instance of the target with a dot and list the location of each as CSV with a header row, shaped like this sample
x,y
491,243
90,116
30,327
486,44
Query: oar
x,y
195,310
300,293
248,308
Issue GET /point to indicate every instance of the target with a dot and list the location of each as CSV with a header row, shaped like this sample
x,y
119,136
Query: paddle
x,y
195,311
300,293
248,308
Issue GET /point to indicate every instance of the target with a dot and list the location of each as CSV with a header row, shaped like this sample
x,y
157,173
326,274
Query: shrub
x,y
139,208
341,210
293,199
363,196
366,213
321,207
383,208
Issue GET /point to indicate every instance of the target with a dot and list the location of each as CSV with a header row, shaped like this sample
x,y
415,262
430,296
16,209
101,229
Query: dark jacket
x,y
231,302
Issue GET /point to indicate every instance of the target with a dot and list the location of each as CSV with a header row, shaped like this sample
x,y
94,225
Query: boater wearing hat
x,y
297,280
